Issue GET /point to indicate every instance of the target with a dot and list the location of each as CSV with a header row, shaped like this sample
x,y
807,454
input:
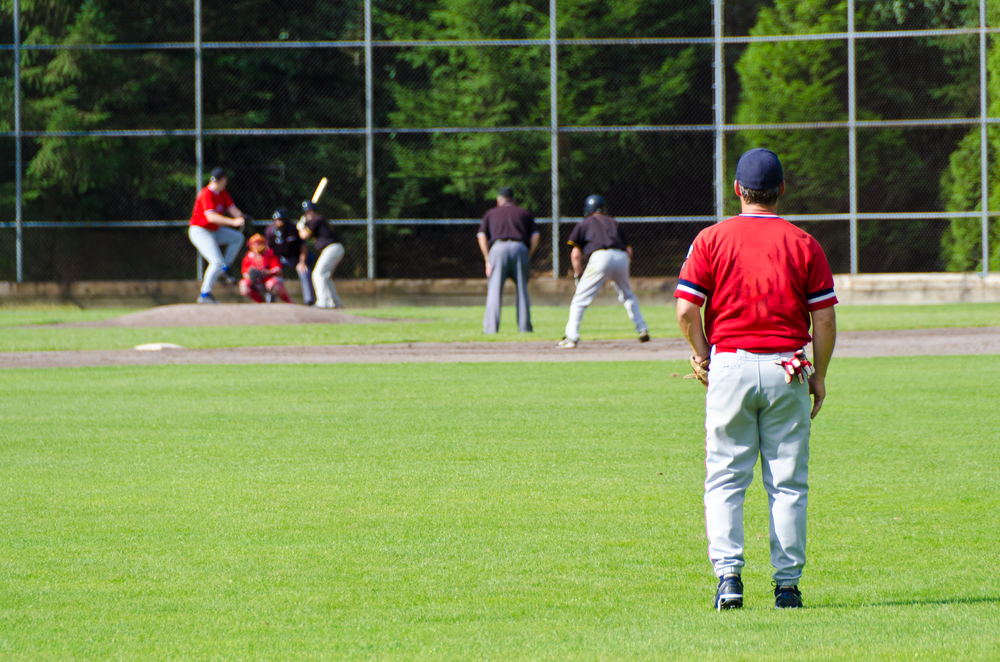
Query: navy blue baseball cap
x,y
217,174
760,170
506,192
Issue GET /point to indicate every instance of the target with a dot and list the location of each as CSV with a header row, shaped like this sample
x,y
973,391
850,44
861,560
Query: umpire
x,y
507,237
284,240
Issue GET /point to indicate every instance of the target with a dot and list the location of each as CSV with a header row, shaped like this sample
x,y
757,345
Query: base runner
x,y
600,238
761,281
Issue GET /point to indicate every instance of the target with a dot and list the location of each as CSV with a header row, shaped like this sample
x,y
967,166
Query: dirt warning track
x,y
918,342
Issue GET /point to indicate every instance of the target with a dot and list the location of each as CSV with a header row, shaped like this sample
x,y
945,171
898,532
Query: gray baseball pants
x,y
608,264
322,276
751,411
305,277
209,244
508,259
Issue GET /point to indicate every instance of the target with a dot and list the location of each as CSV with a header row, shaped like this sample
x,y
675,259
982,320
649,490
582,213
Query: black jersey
x,y
597,232
284,242
324,233
508,222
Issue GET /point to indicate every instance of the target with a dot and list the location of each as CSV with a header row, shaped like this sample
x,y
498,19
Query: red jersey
x,y
759,277
209,200
267,262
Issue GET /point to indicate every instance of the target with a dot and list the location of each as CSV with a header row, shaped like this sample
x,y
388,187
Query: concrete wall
x,y
858,290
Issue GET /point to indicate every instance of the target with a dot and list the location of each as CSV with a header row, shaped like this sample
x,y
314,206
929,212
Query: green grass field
x,y
28,329
491,511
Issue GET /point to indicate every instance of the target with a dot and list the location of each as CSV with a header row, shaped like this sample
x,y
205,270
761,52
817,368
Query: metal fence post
x,y
720,115
369,142
199,169
852,140
554,133
18,184
984,139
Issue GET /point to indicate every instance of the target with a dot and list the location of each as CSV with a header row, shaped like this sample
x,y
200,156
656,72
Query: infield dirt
x,y
916,342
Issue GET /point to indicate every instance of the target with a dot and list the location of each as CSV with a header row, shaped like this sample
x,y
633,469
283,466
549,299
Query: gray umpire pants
x,y
751,411
607,264
508,259
305,277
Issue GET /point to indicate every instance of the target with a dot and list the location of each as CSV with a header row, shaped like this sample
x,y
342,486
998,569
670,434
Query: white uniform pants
x,y
326,293
751,411
605,264
209,243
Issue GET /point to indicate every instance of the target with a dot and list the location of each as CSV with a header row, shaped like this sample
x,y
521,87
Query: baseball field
x,y
476,511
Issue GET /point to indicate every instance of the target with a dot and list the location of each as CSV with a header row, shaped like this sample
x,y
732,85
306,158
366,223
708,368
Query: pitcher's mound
x,y
229,314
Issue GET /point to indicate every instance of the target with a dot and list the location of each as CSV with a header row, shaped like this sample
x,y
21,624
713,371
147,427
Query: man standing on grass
x,y
760,279
507,237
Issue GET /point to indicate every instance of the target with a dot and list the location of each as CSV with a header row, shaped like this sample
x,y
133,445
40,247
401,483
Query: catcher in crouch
x,y
262,272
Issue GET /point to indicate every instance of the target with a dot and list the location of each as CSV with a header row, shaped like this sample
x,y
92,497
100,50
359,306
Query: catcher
x,y
262,272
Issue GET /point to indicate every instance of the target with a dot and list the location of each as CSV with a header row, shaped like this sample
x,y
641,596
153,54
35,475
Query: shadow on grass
x,y
910,603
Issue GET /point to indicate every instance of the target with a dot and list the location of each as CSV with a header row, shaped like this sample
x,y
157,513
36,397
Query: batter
x,y
330,250
600,239
761,281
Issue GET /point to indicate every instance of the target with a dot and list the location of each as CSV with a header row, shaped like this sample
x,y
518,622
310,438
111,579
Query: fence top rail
x,y
653,128
801,218
450,43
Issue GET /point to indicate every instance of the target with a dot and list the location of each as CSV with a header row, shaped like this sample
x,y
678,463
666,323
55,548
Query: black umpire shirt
x,y
597,232
323,232
508,222
285,242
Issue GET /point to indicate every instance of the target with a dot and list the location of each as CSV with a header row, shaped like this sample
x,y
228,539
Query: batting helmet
x,y
281,215
593,203
308,205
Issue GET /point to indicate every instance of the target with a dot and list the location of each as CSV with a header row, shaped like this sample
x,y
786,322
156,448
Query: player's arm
x,y
576,259
533,243
689,319
484,247
305,233
213,216
824,323
303,258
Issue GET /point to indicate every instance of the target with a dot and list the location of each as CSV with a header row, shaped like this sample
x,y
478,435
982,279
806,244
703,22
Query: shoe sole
x,y
730,602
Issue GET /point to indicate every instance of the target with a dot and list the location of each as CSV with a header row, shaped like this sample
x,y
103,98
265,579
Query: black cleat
x,y
787,597
229,278
729,595
644,336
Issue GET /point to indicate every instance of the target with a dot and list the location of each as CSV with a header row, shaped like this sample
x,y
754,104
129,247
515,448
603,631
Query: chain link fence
x,y
417,111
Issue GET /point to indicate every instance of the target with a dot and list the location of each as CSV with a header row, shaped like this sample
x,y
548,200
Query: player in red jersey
x,y
209,211
762,281
262,271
